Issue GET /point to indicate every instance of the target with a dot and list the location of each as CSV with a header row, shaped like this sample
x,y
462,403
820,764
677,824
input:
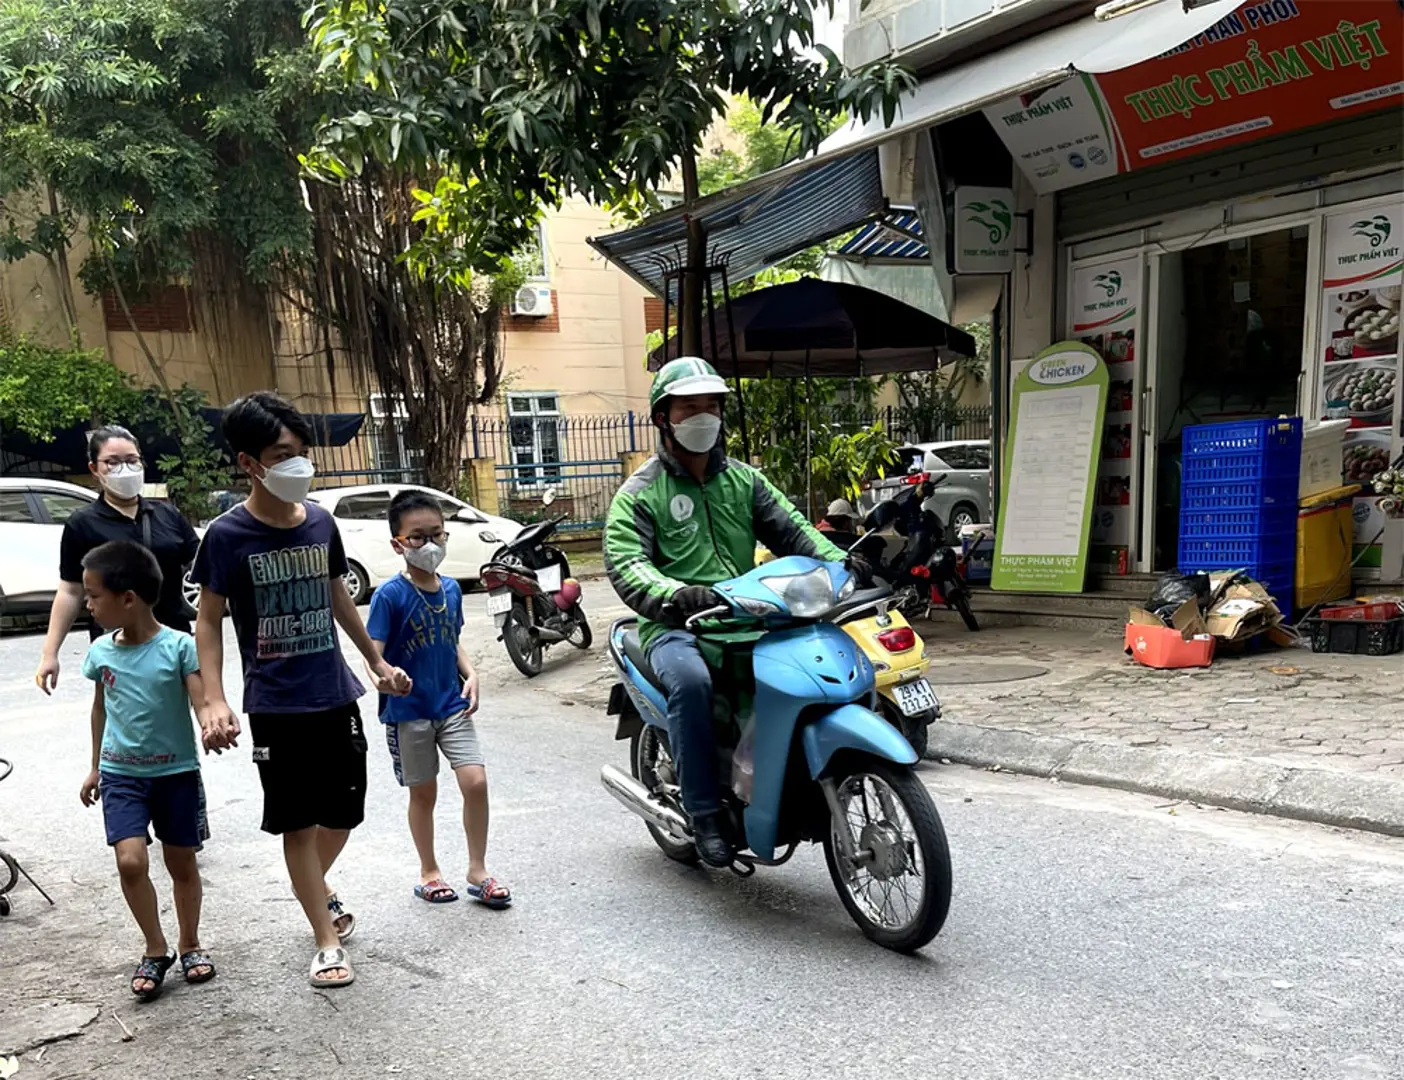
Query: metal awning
x,y
758,223
1089,46
895,238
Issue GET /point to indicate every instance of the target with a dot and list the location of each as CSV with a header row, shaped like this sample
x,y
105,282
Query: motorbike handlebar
x,y
693,620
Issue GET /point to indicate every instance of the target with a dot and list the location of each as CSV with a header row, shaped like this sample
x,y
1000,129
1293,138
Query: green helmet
x,y
684,377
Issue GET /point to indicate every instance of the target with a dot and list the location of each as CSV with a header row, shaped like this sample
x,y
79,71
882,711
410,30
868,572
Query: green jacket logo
x,y
994,216
1110,283
1375,229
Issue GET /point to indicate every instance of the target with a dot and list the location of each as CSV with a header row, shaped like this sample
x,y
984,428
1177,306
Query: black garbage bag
x,y
1173,589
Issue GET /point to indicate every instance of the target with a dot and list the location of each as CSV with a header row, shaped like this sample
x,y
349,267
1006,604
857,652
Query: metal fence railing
x,y
965,422
577,457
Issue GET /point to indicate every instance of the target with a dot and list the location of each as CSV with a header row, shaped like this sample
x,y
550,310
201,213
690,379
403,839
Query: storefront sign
x,y
1105,315
984,231
1360,370
1266,68
1059,401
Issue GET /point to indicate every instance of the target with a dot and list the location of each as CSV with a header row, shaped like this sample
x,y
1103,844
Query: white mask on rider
x,y
290,480
125,481
426,558
698,434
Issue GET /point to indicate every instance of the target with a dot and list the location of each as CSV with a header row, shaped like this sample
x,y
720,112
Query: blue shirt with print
x,y
149,730
420,631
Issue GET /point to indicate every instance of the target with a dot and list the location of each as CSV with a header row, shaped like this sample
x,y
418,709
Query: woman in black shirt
x,y
120,514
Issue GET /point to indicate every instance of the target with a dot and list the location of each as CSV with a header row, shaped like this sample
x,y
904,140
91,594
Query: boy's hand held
x,y
393,680
88,793
219,726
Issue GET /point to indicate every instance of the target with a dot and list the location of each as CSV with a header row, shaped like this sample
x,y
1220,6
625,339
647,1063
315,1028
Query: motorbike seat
x,y
634,650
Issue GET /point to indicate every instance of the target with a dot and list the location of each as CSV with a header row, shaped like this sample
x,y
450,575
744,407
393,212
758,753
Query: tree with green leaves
x,y
524,104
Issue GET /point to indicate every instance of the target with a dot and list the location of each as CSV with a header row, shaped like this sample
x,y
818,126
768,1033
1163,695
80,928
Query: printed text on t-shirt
x,y
292,593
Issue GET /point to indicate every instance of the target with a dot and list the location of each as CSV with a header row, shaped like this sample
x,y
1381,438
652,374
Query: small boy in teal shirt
x,y
146,768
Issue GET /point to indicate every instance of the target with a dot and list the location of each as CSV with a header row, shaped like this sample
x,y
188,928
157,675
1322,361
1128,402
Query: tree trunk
x,y
59,265
691,290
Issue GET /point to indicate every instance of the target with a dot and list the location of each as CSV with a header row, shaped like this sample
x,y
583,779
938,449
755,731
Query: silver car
x,y
964,497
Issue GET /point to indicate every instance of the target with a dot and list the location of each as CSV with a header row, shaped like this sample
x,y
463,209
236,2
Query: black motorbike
x,y
532,598
907,545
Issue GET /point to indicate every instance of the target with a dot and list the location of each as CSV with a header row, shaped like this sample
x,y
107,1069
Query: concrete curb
x,y
1324,796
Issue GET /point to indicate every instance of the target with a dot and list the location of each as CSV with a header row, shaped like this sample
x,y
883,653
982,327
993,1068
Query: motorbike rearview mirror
x,y
548,496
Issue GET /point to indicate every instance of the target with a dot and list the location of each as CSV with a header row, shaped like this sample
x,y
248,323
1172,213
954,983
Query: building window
x,y
163,309
390,452
533,258
534,435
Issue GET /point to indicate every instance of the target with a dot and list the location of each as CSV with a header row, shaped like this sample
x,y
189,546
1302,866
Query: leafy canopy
x,y
527,103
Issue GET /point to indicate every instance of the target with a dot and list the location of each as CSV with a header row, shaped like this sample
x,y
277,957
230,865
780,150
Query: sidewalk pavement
x,y
1318,737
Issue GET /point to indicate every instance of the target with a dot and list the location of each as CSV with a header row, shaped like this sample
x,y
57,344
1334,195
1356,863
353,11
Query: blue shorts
x,y
172,805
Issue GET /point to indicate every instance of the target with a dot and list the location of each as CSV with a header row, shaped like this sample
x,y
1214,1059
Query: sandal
x,y
338,914
152,969
197,958
436,892
329,960
491,893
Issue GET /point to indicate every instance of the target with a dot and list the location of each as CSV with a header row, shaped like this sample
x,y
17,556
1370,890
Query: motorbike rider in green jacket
x,y
689,518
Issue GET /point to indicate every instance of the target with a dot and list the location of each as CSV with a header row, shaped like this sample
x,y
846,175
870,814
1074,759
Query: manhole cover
x,y
966,674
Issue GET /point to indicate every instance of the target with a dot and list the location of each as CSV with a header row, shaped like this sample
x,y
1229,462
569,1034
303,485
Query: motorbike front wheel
x,y
960,600
522,648
898,888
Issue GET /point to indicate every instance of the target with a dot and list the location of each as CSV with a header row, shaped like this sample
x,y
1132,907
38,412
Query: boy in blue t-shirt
x,y
145,765
415,620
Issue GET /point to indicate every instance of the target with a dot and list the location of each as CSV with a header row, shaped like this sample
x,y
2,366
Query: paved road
x,y
1092,935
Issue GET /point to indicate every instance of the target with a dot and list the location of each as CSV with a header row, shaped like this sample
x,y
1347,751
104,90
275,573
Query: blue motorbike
x,y
804,755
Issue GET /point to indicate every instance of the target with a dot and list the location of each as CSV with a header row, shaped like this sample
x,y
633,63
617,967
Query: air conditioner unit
x,y
533,301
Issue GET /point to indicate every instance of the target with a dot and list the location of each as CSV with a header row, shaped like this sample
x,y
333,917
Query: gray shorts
x,y
415,745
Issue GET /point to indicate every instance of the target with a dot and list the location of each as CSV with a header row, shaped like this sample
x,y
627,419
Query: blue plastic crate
x,y
1265,438
1238,495
1236,524
1273,549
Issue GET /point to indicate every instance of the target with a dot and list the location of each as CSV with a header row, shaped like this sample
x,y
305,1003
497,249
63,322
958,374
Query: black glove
x,y
860,568
691,599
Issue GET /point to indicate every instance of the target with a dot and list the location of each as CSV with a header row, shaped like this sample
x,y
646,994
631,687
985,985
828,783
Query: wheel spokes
x,y
878,823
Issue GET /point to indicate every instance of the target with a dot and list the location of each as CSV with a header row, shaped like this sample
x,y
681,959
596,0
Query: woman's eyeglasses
x,y
439,538
113,462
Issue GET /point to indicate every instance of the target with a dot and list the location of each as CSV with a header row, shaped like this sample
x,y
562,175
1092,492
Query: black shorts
x,y
312,767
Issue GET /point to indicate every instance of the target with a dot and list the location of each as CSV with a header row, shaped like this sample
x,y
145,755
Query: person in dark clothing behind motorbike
x,y
840,524
689,518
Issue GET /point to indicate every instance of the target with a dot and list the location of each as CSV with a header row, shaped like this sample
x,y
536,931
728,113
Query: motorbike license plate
x,y
549,578
915,698
499,603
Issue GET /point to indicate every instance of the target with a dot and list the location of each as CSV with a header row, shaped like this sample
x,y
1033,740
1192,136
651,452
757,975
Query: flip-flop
x,y
484,890
197,958
328,960
152,968
436,892
338,913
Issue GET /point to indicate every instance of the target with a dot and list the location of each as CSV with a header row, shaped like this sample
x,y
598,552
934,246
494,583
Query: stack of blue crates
x,y
1238,501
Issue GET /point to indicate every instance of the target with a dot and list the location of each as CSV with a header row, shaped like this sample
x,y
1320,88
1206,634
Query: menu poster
x,y
1055,438
1360,306
1105,316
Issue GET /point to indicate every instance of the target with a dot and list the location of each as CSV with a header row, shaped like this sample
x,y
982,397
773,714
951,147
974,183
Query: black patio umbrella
x,y
824,328
820,328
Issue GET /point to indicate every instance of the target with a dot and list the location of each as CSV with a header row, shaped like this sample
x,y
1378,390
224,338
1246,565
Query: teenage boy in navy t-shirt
x,y
277,562
415,621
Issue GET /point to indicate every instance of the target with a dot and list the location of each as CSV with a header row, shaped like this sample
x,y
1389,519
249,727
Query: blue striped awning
x,y
896,238
756,224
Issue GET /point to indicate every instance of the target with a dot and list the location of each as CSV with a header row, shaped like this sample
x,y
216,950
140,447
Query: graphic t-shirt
x,y
278,585
149,728
420,631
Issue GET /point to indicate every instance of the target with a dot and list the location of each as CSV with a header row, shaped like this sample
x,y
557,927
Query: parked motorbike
x,y
907,545
898,655
802,755
532,598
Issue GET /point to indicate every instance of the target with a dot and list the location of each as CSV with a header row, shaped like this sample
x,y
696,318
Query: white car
x,y
32,515
360,514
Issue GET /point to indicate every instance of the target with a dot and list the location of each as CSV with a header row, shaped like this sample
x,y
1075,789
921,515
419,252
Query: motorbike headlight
x,y
759,608
847,589
808,595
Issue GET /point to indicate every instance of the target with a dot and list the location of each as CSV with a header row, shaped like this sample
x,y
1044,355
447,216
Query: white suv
x,y
32,515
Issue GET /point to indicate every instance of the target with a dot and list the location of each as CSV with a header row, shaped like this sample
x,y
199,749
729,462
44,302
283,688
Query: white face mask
x,y
125,481
290,480
698,434
426,558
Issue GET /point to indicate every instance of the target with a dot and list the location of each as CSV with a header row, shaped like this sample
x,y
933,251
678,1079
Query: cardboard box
x,y
1184,645
1241,611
